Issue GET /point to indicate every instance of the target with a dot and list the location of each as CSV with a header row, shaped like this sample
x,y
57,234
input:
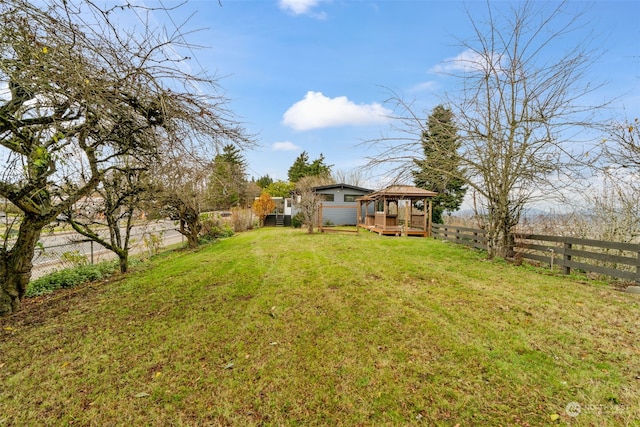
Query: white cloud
x,y
317,111
284,146
300,7
424,86
465,61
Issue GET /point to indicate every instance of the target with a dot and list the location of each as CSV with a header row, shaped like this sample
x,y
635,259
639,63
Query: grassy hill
x,y
277,327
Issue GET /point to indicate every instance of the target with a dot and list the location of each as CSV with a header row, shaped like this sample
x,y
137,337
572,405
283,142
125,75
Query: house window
x,y
351,197
326,197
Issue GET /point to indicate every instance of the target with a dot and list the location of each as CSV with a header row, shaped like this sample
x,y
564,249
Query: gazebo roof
x,y
400,192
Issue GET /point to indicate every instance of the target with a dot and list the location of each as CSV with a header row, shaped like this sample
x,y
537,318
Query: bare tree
x,y
81,94
120,196
182,180
519,112
307,201
622,147
355,177
614,210
614,203
608,211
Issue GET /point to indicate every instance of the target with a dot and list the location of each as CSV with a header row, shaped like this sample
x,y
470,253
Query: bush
x,y
70,277
153,242
297,220
242,219
214,228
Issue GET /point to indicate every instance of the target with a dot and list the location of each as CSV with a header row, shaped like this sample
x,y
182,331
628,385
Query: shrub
x,y
297,220
153,242
263,206
214,228
70,277
242,219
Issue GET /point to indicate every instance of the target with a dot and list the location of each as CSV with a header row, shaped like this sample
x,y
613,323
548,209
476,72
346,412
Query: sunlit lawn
x,y
277,327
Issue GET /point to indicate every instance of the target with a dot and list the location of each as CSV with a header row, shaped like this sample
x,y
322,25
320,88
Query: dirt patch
x,y
38,310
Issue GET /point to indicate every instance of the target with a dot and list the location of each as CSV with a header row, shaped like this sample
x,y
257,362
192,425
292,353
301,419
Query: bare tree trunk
x,y
508,243
500,238
123,260
16,265
501,243
191,230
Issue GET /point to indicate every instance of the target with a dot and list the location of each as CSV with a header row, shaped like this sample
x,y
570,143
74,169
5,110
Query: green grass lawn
x,y
277,327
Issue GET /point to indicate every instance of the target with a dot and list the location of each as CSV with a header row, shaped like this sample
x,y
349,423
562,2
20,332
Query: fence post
x,y
91,243
638,267
566,257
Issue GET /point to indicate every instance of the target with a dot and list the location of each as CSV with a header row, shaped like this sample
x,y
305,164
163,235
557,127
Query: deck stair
x,y
279,220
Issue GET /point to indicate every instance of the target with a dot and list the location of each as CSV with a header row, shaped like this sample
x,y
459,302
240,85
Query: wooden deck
x,y
332,229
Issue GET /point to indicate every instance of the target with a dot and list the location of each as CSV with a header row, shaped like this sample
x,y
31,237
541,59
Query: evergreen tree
x,y
319,168
302,167
440,143
227,183
264,181
299,167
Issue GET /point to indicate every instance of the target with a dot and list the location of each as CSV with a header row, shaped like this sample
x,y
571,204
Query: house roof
x,y
342,187
401,192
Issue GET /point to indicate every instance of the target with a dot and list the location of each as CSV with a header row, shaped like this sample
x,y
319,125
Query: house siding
x,y
339,212
338,215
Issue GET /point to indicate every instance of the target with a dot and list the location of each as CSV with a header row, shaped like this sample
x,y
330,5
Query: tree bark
x,y
16,265
500,239
123,260
191,230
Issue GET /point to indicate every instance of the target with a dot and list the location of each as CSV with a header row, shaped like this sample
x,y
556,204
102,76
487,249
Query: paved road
x,y
48,256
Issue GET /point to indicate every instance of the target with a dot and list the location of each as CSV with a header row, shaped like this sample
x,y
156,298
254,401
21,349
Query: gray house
x,y
339,206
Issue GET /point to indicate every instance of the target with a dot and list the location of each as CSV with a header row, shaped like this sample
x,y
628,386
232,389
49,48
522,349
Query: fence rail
x,y
613,259
467,236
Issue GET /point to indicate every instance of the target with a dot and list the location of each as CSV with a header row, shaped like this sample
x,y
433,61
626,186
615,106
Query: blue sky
x,y
313,75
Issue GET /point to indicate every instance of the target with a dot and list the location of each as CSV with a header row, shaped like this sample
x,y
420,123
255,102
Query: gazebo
x,y
392,211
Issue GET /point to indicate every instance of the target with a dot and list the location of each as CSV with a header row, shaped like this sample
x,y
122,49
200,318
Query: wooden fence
x,y
466,236
619,260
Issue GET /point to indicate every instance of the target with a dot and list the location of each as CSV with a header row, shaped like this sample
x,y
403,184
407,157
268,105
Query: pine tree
x,y
299,167
264,181
440,142
302,167
227,184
